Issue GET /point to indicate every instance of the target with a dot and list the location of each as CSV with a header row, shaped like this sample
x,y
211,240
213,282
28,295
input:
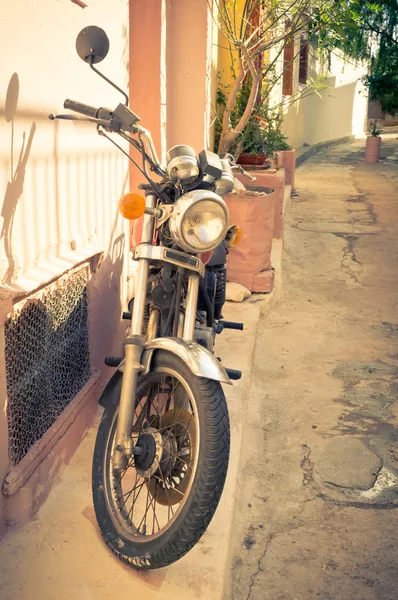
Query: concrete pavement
x,y
60,555
316,514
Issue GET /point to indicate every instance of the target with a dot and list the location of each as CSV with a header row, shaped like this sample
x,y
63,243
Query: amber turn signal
x,y
132,206
233,236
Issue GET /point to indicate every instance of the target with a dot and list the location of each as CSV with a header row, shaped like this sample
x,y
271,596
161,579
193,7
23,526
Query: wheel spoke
x,y
158,395
131,509
135,498
177,423
154,509
167,493
166,403
128,494
148,505
130,464
173,455
171,488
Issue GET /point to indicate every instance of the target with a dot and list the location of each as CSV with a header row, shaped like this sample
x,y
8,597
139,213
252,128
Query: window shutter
x,y
288,60
303,68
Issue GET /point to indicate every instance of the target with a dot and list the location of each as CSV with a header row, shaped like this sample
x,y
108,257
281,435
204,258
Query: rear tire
x,y
196,509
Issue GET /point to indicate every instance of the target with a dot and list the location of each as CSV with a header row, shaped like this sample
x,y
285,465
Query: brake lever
x,y
244,173
76,118
236,167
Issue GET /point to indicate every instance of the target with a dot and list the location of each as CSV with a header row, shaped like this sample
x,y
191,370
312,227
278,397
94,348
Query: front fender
x,y
111,392
197,358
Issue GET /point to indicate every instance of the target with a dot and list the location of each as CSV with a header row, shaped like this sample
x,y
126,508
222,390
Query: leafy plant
x,y
263,132
368,30
374,129
384,88
250,31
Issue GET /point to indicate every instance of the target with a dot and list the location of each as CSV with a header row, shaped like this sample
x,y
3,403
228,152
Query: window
x,y
288,63
303,66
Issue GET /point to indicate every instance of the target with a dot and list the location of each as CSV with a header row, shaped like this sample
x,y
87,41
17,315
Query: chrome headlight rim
x,y
182,207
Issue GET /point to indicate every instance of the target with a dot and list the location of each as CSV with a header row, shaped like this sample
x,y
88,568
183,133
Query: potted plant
x,y
255,33
263,141
373,143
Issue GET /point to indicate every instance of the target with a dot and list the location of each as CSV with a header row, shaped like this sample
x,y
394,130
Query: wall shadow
x,y
105,307
16,181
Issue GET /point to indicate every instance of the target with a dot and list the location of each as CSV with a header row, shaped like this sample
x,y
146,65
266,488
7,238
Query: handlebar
x,y
121,120
83,109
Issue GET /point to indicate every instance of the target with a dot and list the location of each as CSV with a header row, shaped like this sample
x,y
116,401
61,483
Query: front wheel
x,y
155,510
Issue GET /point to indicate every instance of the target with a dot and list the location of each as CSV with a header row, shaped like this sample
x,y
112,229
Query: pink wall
x,y
188,30
145,69
146,82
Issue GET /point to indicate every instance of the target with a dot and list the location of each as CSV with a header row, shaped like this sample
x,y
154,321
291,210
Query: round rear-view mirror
x,y
92,44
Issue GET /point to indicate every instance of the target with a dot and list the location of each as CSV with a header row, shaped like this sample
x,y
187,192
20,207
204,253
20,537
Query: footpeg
x,y
113,361
127,316
234,374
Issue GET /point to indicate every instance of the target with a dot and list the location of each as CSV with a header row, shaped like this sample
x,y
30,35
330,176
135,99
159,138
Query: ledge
x,y
49,271
305,152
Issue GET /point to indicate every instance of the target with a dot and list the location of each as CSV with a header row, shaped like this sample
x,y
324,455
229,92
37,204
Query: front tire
x,y
189,442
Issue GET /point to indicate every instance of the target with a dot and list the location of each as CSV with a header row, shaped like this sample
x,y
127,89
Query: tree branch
x,y
256,80
226,122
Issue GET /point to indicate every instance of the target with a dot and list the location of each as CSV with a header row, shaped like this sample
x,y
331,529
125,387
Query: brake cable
x,y
153,185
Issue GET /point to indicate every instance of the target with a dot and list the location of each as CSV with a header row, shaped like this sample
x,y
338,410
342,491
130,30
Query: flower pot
x,y
252,160
276,161
269,178
373,144
287,160
250,262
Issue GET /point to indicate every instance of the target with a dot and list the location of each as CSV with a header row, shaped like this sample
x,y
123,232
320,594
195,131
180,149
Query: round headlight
x,y
199,221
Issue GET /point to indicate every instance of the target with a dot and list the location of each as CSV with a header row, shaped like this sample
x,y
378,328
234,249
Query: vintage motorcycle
x,y
162,448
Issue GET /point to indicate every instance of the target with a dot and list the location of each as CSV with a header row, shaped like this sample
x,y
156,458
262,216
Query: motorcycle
x,y
162,448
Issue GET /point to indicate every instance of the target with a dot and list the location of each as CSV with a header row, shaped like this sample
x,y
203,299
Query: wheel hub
x,y
151,446
171,483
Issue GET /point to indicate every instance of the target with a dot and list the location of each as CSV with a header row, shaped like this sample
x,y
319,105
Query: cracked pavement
x,y
315,516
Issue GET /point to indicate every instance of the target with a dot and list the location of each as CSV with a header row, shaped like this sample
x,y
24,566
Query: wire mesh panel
x,y
47,360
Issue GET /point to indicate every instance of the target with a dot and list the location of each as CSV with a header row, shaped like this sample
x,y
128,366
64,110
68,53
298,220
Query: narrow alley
x,y
308,508
319,458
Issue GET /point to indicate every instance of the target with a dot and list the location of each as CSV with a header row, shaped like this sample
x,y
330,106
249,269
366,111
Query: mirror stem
x,y
109,81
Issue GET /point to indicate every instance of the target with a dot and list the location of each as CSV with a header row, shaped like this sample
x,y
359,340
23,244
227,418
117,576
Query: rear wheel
x,y
151,513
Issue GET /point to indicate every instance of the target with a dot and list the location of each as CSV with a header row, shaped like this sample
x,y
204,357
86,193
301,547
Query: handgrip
x,y
113,361
83,109
234,374
232,325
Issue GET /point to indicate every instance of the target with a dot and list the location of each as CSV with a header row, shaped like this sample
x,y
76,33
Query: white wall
x,y
59,196
67,194
339,110
334,112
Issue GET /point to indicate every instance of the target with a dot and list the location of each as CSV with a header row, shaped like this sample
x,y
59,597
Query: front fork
x,y
135,343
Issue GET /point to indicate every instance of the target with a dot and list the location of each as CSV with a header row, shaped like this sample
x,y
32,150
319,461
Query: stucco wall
x,y
334,112
189,72
59,182
340,110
